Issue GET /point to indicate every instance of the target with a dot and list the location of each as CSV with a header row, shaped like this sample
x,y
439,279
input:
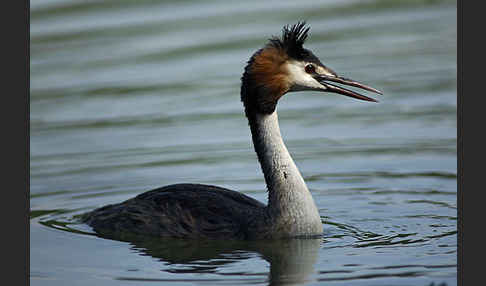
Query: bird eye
x,y
310,68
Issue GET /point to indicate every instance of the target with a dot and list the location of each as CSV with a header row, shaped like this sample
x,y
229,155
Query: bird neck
x,y
289,199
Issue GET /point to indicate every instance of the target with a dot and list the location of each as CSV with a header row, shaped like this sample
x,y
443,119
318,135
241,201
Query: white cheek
x,y
299,78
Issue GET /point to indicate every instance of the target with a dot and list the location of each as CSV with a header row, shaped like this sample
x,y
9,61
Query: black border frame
x,y
460,146
17,138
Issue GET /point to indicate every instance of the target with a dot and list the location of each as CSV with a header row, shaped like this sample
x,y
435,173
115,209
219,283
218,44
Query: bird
x,y
195,211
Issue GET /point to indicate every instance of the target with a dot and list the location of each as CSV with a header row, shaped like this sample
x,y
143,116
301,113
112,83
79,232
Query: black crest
x,y
292,41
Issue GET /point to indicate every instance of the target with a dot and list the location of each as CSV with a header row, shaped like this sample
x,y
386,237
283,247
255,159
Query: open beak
x,y
324,80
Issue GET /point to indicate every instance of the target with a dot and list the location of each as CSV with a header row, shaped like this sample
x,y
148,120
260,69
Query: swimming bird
x,y
283,65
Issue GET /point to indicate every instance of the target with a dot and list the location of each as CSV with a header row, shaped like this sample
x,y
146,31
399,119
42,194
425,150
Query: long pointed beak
x,y
324,80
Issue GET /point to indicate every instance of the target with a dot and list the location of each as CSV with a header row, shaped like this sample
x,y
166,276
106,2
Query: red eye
x,y
310,68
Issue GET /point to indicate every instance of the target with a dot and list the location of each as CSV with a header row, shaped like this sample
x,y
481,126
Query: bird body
x,y
204,211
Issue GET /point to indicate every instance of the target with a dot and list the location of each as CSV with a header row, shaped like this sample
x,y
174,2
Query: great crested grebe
x,y
202,211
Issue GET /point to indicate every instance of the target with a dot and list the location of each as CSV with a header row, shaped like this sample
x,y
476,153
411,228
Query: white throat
x,y
289,200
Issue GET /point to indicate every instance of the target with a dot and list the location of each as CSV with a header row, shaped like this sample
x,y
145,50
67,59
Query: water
x,y
127,96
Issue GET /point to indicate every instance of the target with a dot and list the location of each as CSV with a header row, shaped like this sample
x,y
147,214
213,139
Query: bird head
x,y
283,65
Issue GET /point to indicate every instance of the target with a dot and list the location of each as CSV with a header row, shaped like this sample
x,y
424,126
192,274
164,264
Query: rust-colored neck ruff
x,y
265,80
268,69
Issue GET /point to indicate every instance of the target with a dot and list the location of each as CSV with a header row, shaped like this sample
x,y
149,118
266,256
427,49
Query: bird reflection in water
x,y
291,261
